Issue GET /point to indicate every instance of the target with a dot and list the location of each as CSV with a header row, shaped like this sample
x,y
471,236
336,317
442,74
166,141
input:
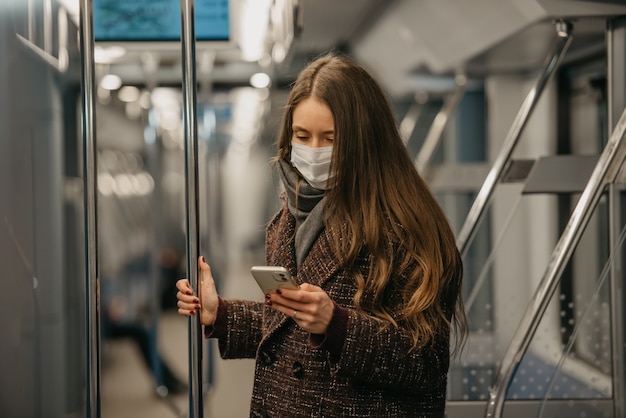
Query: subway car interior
x,y
136,135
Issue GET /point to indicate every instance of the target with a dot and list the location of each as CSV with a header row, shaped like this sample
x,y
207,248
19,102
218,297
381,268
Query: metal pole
x,y
425,155
477,210
616,100
92,299
604,173
188,43
409,122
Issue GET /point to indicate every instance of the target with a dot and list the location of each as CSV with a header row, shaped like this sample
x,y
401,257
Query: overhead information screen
x,y
158,20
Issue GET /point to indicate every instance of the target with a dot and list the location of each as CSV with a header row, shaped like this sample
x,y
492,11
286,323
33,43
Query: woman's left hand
x,y
309,306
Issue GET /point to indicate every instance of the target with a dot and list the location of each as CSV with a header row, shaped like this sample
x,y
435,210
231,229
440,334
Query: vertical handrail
x,y
616,100
409,121
616,291
435,133
604,173
477,211
188,46
90,170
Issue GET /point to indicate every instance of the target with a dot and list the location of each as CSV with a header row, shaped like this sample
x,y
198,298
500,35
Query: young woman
x,y
367,334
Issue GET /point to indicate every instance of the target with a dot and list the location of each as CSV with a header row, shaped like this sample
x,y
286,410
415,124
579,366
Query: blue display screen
x,y
158,20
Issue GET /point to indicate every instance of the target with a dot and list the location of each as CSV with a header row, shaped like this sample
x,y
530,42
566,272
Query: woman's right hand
x,y
207,300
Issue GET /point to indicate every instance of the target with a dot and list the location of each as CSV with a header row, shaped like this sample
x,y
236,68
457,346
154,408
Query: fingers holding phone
x,y
308,305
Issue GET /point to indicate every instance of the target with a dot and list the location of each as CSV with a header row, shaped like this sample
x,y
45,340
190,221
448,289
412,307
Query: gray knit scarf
x,y
308,213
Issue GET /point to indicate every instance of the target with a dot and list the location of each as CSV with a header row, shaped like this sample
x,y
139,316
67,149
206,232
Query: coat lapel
x,y
318,266
321,262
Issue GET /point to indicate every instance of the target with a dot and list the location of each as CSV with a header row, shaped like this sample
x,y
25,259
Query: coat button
x,y
297,369
267,357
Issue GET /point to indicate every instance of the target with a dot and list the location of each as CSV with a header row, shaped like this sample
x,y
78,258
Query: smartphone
x,y
270,278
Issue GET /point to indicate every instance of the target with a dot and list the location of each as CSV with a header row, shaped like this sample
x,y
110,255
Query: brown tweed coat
x,y
375,375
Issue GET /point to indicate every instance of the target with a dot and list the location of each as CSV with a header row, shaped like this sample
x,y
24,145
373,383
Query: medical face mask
x,y
312,163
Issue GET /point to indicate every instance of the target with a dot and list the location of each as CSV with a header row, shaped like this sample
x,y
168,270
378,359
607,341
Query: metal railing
x,y
188,46
478,209
605,173
435,133
92,291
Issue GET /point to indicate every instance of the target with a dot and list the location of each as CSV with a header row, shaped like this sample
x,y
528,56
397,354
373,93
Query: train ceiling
x,y
402,41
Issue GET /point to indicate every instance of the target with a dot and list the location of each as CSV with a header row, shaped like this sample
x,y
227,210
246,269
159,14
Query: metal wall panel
x,y
33,275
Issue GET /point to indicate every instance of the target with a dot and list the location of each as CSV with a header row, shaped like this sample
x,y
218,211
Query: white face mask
x,y
312,163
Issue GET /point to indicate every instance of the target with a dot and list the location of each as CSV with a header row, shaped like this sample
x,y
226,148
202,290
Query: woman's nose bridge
x,y
316,141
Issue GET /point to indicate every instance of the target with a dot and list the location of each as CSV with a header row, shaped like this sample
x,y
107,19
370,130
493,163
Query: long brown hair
x,y
377,201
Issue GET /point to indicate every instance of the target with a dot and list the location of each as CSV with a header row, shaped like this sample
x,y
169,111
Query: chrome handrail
x,y
92,285
435,133
604,173
188,46
409,121
483,197
616,98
